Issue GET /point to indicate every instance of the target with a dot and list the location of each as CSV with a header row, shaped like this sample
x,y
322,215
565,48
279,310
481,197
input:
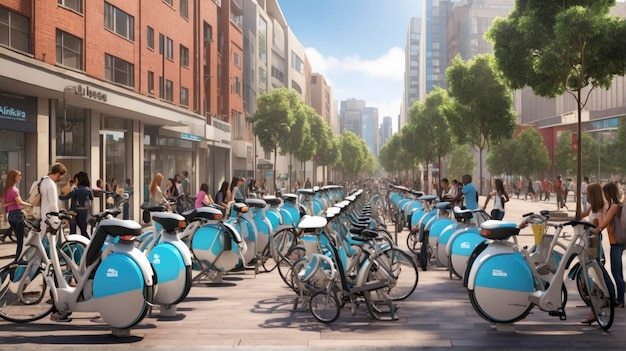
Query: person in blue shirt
x,y
468,192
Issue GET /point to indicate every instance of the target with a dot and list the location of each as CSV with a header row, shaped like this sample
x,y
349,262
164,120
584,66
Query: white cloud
x,y
378,81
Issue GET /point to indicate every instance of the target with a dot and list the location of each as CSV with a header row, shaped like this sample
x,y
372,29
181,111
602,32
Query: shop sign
x,y
91,93
17,109
191,137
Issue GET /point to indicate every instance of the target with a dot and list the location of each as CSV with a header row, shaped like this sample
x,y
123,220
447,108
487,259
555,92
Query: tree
x,y
330,155
534,154
301,134
481,110
273,119
321,132
561,46
564,155
389,154
352,154
461,162
427,136
504,157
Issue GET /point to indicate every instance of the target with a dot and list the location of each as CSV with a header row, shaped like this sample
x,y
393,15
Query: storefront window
x,y
71,131
11,156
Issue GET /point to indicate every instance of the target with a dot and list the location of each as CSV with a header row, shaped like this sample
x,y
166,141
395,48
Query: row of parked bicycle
x,y
123,270
505,281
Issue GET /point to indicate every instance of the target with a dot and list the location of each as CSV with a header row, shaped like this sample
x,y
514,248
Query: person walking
x,y
500,197
81,198
560,191
185,183
12,203
156,194
583,192
49,192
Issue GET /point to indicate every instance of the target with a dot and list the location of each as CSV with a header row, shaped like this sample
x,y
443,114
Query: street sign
x,y
264,166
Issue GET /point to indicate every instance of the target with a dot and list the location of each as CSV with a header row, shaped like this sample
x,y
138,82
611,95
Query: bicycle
x,y
116,281
504,282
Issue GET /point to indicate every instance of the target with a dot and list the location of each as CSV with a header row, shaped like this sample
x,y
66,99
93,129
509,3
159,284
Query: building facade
x,y
117,89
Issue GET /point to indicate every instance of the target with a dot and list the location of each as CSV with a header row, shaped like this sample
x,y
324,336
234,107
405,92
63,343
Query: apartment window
x,y
184,96
236,85
237,59
169,49
150,37
169,2
69,50
169,90
161,43
14,30
184,8
184,56
161,90
119,71
296,62
119,21
76,5
150,82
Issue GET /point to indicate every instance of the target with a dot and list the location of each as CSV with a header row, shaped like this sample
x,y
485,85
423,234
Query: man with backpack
x,y
49,193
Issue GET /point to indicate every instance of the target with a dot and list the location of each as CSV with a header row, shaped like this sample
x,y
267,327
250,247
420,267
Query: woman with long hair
x,y
156,194
12,203
500,197
221,197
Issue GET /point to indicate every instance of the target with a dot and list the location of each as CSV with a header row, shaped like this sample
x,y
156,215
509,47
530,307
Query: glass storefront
x,y
11,156
72,127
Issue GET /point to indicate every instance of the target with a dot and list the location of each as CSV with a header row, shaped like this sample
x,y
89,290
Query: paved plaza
x,y
255,312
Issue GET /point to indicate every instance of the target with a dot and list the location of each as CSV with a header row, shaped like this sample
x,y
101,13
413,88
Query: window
x,y
119,21
161,43
237,59
184,96
72,131
236,85
169,2
69,50
119,71
161,90
76,5
14,30
150,82
150,37
296,62
169,90
184,8
184,56
169,49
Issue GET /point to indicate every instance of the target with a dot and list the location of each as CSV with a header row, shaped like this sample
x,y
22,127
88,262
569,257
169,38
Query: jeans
x,y
16,222
81,222
584,200
497,214
617,271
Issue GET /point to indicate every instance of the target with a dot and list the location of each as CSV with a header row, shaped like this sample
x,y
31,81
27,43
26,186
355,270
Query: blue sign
x,y
191,137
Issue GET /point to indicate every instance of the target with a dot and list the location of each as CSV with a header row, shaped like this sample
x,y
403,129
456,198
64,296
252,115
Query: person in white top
x,y
500,197
49,192
583,192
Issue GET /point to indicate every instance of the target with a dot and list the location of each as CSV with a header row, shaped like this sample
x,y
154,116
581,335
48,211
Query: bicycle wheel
x,y
282,241
405,274
24,293
377,299
425,253
582,287
412,242
285,265
267,260
325,306
600,295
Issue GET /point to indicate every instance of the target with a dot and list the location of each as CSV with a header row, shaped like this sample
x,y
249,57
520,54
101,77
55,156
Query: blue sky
x,y
358,45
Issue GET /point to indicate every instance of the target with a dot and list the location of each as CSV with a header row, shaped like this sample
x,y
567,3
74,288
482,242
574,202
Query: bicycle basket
x,y
592,249
184,203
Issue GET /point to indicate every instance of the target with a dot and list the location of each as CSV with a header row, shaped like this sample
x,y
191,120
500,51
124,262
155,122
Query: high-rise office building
x,y
350,115
369,128
385,131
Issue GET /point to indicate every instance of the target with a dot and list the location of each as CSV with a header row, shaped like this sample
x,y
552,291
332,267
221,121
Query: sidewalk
x,y
249,312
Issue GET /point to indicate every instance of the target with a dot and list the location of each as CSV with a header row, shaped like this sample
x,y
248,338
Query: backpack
x,y
34,197
619,225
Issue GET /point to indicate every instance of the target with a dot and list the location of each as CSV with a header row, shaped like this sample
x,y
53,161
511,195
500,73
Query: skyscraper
x,y
350,115
369,118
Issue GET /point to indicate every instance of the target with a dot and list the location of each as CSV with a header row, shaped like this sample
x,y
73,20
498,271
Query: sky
x,y
358,45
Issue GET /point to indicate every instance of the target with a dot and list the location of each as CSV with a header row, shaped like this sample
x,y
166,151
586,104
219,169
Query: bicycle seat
x,y
312,222
170,221
498,230
462,214
240,207
306,191
209,213
351,198
444,205
258,203
157,208
272,200
290,197
417,193
428,198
